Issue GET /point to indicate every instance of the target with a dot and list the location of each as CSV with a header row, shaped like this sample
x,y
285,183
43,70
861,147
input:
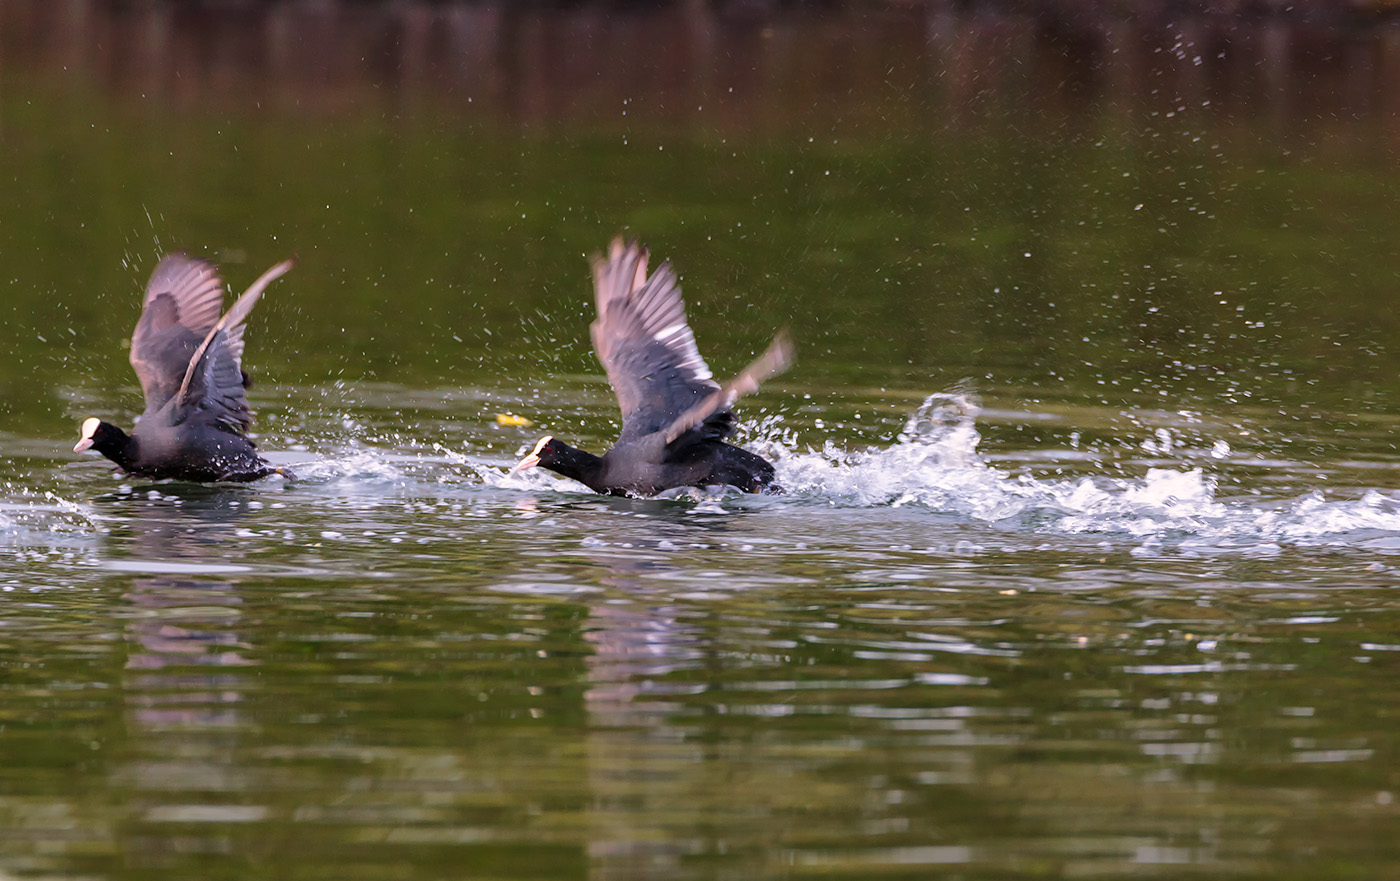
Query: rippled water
x,y
1091,513
1061,658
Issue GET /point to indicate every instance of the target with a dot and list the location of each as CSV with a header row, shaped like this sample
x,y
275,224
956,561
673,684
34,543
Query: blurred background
x,y
1086,565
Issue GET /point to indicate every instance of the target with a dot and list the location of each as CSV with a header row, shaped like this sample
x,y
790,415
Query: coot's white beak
x,y
89,429
533,459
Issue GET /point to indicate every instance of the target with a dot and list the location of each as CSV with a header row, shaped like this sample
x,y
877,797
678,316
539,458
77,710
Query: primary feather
x,y
646,345
214,380
181,306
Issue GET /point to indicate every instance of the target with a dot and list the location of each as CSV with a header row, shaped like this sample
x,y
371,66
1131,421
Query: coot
x,y
674,414
189,361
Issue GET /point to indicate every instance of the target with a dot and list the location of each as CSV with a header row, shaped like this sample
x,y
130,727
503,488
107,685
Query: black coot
x,y
674,415
189,361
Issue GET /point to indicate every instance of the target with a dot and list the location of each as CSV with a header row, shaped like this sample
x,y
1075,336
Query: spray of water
x,y
934,464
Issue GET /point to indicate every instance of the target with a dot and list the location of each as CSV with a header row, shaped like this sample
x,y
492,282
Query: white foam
x,y
1182,499
34,521
935,464
357,463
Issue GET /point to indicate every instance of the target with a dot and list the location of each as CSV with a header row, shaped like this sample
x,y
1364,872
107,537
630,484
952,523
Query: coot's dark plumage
x,y
189,361
674,414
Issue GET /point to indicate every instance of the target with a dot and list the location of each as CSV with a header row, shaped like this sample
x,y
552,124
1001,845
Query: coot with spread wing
x,y
674,415
189,361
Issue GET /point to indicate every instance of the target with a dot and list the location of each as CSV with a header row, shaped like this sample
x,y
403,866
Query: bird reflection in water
x,y
181,629
649,768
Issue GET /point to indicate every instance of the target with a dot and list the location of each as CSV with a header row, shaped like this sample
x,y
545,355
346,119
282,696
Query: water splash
x,y
935,464
1177,503
25,513
38,529
358,463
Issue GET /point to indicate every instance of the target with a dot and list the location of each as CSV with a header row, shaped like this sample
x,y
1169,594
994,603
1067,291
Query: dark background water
x,y
1116,602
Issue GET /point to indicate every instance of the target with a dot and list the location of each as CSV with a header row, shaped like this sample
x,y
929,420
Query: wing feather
x,y
775,360
213,380
181,304
646,345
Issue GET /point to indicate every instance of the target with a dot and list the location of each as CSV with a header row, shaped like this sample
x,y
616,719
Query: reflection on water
x,y
186,673
639,762
169,609
570,684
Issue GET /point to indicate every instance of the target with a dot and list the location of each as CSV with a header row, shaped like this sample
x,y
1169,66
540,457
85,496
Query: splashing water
x,y
357,464
26,513
43,528
935,464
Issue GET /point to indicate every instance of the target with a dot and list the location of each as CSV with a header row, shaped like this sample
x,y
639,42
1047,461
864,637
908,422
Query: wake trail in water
x,y
935,464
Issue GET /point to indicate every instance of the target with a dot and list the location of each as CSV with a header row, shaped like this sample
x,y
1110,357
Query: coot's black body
x,y
189,361
674,415
188,451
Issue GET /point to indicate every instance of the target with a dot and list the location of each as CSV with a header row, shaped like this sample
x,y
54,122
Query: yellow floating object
x,y
512,419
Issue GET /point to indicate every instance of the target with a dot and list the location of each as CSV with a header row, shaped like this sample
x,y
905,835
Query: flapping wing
x,y
182,303
212,384
644,342
703,415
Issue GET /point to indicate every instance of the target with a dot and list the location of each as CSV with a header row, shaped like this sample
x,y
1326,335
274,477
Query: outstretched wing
x,y
704,414
182,303
212,384
644,342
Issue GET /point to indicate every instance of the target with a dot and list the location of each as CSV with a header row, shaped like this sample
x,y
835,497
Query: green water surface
x,y
408,666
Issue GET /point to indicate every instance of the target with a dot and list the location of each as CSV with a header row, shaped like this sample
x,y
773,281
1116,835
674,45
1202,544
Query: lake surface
x,y
1085,562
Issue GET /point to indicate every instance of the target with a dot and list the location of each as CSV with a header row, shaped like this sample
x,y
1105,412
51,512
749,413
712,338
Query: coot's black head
x,y
105,438
547,452
561,458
